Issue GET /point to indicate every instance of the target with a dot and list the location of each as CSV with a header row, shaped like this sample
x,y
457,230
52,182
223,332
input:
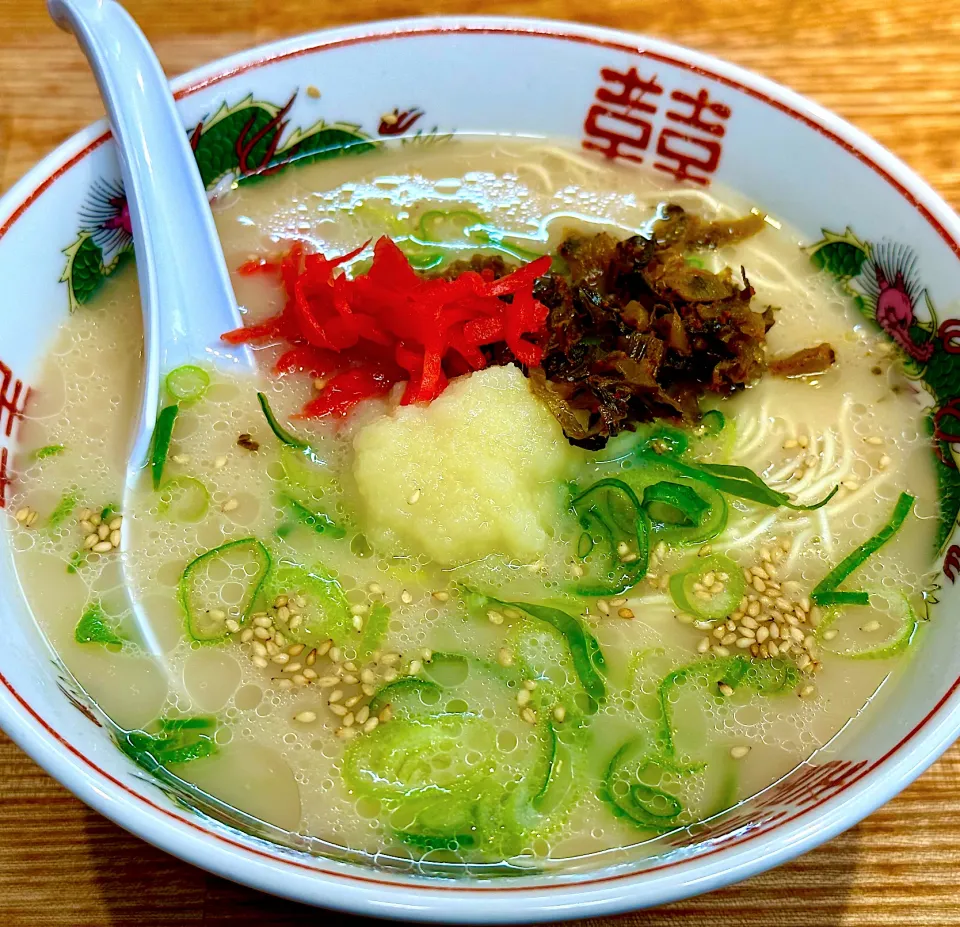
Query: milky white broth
x,y
288,773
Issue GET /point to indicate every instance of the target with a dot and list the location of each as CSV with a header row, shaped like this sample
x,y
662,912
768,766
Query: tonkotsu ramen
x,y
569,508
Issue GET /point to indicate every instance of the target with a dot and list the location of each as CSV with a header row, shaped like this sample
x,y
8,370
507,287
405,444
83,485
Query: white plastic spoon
x,y
185,289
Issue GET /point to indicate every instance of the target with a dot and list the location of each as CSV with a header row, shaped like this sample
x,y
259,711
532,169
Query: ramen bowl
x,y
64,231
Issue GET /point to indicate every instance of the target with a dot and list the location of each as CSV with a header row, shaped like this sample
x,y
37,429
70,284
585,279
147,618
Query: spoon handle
x,y
185,290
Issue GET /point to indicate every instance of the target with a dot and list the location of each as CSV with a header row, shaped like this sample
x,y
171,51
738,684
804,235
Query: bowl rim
x,y
335,885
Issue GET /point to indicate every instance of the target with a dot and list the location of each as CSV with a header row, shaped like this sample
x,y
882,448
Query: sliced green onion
x,y
245,562
459,222
826,592
734,481
700,603
50,450
374,630
648,806
281,433
766,677
64,508
611,513
320,523
95,628
180,740
326,616
712,423
685,506
183,499
588,659
162,434
187,383
895,644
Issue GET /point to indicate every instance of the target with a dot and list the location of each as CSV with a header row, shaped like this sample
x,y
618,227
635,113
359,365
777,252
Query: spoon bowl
x,y
185,290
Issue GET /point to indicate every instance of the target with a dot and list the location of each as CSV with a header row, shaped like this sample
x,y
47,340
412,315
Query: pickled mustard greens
x,y
406,602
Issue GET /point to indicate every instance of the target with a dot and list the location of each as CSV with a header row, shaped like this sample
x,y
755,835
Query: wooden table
x,y
890,66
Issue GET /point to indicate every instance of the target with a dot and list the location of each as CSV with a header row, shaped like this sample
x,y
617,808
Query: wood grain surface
x,y
891,67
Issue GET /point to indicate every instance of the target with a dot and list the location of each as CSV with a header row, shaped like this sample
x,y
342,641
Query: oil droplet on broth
x,y
211,677
253,779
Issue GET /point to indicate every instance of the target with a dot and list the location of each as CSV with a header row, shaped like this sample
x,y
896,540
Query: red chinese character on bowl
x,y
693,152
618,124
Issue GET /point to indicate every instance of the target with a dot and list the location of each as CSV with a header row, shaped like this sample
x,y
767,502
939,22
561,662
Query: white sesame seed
x,y
559,713
305,717
704,645
738,753
523,697
725,690
830,635
339,710
807,691
232,626
871,626
529,715
281,658
372,588
102,547
884,462
874,440
415,667
440,595
370,724
494,617
357,622
414,497
246,635
220,462
259,661
231,505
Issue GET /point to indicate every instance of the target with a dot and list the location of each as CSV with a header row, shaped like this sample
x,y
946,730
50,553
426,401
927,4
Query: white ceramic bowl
x,y
62,229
